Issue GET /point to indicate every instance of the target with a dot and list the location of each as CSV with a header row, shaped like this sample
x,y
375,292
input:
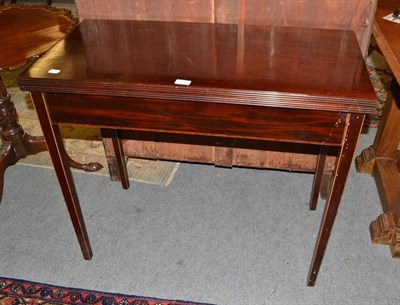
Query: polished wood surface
x,y
237,92
29,31
324,70
382,158
356,15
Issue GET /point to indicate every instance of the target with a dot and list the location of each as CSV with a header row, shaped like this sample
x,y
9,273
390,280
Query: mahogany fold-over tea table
x,y
260,83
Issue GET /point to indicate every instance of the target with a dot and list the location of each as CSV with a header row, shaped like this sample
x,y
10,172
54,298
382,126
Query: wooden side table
x,y
241,84
27,31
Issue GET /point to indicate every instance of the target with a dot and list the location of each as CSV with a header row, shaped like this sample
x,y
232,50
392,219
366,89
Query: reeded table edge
x,y
203,94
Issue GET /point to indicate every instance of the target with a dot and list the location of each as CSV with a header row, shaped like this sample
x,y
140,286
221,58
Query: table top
x,y
226,63
28,31
387,35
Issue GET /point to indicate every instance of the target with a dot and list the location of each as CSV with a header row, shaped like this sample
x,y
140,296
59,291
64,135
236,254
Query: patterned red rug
x,y
19,292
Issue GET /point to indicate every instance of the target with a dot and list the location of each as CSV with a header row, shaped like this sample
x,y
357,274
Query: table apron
x,y
201,118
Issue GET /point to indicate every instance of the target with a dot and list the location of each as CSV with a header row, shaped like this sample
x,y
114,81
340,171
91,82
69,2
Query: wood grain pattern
x,y
356,15
38,28
323,71
224,120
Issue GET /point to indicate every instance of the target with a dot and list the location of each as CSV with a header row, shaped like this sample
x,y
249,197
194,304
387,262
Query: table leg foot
x,y
383,231
87,167
36,145
366,160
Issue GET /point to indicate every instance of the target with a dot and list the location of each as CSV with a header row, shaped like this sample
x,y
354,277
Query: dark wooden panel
x,y
225,120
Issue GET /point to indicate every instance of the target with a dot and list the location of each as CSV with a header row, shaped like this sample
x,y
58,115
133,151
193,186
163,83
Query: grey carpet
x,y
222,236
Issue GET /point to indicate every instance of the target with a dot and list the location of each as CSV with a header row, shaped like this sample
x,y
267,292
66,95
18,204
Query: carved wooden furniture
x,y
27,31
240,85
382,159
356,15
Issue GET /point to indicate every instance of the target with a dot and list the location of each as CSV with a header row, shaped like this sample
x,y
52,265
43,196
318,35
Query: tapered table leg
x,y
345,159
62,168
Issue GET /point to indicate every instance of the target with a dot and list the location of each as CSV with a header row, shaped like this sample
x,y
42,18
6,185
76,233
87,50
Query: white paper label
x,y
183,82
391,18
54,71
